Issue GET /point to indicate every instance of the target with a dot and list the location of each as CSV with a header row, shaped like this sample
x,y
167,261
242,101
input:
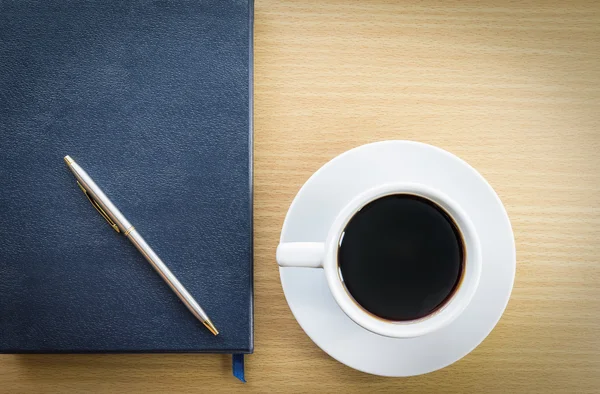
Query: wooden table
x,y
512,88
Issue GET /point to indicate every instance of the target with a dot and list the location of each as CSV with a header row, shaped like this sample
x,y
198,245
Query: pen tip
x,y
211,327
68,160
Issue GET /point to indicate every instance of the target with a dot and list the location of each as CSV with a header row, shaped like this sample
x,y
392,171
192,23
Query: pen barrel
x,y
166,274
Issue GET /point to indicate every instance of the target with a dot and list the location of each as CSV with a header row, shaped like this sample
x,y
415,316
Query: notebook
x,y
154,100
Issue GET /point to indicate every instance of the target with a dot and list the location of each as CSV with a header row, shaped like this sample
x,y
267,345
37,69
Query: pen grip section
x,y
165,273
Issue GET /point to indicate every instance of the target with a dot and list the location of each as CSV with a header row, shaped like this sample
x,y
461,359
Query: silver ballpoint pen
x,y
121,225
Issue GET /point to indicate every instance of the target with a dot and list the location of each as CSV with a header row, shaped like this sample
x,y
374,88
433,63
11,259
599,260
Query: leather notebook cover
x,y
153,100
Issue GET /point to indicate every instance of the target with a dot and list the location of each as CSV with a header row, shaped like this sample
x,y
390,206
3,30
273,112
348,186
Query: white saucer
x,y
316,206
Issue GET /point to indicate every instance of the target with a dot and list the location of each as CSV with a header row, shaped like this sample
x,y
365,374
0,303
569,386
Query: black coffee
x,y
401,257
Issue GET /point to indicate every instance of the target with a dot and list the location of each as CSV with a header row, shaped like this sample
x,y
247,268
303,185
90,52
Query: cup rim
x,y
452,307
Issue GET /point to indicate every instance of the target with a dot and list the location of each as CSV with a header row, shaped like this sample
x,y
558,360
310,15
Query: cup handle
x,y
301,254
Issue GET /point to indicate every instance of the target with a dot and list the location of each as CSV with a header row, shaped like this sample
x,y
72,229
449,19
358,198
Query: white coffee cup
x,y
324,255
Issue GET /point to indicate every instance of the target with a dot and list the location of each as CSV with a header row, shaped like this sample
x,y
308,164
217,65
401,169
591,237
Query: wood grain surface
x,y
512,87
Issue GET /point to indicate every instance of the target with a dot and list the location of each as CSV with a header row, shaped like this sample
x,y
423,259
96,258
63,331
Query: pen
x,y
121,225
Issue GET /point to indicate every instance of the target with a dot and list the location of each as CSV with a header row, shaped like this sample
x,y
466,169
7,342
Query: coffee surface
x,y
401,257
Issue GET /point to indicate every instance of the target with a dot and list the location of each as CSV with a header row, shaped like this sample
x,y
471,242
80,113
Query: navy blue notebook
x,y
153,100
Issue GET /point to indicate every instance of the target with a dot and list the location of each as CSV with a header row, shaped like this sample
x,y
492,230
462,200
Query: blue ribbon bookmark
x,y
238,366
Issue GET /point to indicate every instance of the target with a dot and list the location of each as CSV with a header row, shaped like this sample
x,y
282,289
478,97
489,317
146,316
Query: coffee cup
x,y
400,259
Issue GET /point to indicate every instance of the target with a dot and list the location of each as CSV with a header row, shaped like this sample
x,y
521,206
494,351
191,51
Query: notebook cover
x,y
153,100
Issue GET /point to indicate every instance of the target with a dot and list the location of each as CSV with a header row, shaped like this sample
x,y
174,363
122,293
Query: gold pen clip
x,y
99,209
